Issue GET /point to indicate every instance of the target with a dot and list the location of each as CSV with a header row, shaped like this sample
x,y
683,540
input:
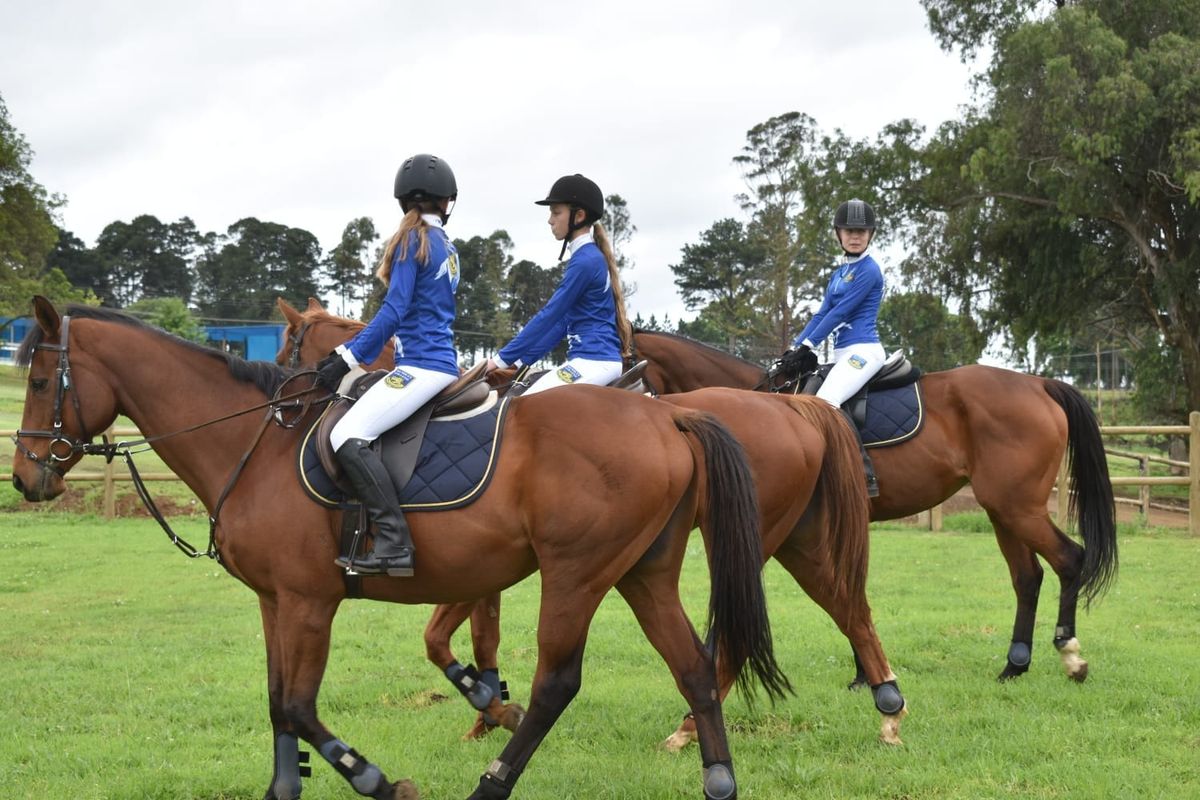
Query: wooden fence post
x,y
1194,473
110,485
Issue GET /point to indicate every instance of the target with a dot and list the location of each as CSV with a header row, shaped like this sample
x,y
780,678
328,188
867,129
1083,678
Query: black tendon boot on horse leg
x,y
868,467
393,552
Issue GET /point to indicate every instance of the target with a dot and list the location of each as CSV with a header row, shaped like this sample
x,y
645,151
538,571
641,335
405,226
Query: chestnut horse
x,y
1005,433
610,508
811,495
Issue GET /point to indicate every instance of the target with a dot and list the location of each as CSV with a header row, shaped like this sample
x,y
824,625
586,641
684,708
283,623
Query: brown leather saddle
x,y
470,391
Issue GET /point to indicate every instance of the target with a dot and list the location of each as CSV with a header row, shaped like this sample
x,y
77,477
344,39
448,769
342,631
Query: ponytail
x,y
624,329
411,223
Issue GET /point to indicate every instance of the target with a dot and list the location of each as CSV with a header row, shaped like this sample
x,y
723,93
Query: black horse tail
x,y
739,630
1090,491
840,493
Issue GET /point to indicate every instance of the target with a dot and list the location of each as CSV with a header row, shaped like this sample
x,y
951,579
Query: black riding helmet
x,y
422,178
576,191
856,214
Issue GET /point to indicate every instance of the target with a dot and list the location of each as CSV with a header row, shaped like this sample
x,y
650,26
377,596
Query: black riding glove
x,y
330,371
800,361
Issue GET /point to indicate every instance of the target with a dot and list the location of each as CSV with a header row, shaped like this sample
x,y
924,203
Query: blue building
x,y
253,342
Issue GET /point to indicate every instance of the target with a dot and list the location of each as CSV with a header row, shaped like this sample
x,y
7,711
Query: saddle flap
x,y
337,409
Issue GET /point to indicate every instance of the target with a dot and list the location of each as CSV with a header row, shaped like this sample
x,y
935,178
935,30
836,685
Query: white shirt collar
x,y
432,219
852,259
579,241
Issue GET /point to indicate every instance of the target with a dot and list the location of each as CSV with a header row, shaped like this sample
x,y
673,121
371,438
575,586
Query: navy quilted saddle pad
x,y
455,463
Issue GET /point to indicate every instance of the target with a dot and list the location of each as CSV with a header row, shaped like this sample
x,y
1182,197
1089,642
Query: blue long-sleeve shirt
x,y
850,307
582,308
418,309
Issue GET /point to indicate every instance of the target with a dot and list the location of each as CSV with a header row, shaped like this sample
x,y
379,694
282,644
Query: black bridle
x,y
56,435
109,450
295,340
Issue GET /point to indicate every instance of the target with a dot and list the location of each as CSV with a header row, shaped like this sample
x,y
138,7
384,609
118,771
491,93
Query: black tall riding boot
x,y
868,466
393,553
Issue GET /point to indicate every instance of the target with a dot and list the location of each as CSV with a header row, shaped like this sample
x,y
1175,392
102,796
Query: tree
x,y
27,230
482,321
1072,193
147,258
721,275
80,264
619,225
171,314
931,336
350,276
241,273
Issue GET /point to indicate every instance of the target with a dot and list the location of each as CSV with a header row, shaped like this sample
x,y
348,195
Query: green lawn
x,y
132,672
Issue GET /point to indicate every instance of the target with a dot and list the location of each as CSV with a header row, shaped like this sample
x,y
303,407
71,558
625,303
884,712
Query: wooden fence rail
x,y
934,516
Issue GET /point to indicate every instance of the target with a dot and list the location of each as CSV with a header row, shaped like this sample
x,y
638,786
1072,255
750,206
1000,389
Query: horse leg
x,y
1038,534
297,633
286,779
479,682
485,642
1026,574
566,612
853,618
654,598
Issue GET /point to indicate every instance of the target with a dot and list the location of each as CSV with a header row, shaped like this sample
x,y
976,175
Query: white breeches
x,y
388,403
853,366
577,370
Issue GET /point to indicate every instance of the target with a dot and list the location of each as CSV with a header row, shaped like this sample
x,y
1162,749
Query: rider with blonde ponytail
x,y
588,307
420,268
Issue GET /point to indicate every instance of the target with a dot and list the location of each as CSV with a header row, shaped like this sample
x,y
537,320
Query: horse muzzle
x,y
44,484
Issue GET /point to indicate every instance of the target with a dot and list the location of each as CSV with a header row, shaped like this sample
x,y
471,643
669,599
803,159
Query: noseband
x,y
62,447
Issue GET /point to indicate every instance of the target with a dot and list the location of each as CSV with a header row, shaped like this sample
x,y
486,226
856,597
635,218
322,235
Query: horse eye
x,y
38,384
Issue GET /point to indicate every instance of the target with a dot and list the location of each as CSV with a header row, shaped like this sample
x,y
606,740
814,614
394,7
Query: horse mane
x,y
314,315
679,337
265,375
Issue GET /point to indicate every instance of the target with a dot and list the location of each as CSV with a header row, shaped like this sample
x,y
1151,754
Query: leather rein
x,y
109,450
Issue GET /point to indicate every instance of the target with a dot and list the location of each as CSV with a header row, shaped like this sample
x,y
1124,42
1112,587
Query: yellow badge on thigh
x,y
398,379
568,374
858,362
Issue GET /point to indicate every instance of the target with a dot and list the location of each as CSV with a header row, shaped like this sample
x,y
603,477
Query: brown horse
x,y
811,495
633,485
1003,432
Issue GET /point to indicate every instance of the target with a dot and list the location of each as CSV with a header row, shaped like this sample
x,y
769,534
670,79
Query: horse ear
x,y
289,313
314,305
46,316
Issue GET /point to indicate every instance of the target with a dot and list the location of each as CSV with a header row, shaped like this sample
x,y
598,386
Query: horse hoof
x,y
889,731
679,740
1076,667
480,729
856,684
513,716
405,790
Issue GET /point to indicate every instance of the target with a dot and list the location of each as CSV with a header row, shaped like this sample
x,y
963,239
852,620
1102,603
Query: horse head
x,y
56,425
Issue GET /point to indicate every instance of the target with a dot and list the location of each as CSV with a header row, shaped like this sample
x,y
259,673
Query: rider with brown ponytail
x,y
588,306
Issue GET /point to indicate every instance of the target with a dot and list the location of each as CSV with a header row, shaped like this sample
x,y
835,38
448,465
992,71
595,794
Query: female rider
x,y
848,313
588,306
420,268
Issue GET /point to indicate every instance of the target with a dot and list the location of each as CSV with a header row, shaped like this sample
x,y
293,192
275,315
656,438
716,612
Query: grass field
x,y
132,672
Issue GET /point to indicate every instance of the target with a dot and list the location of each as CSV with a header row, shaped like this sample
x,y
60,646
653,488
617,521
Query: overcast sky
x,y
300,112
